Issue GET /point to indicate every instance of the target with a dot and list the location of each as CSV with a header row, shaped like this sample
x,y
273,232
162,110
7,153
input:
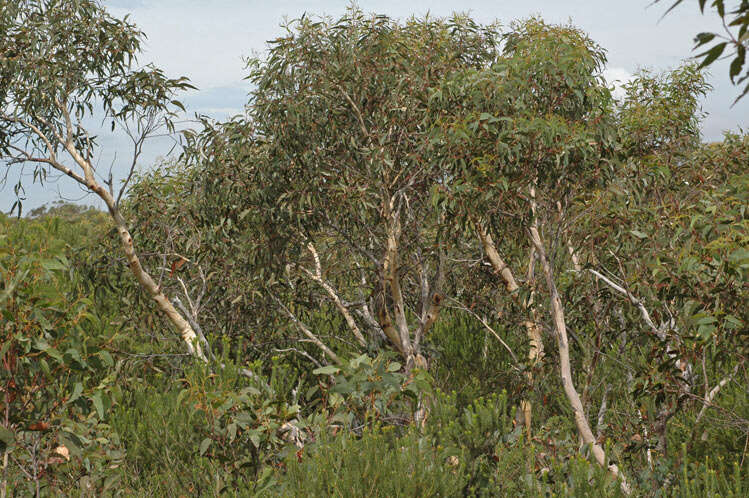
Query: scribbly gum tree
x,y
342,106
63,64
521,139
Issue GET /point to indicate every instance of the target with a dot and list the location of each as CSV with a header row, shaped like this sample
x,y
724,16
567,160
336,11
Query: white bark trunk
x,y
557,316
145,280
88,180
533,331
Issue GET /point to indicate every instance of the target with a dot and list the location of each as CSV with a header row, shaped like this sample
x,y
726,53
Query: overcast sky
x,y
206,41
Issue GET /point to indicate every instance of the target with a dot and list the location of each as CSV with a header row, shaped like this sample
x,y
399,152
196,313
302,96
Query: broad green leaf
x,y
326,370
204,445
107,358
52,265
77,390
98,404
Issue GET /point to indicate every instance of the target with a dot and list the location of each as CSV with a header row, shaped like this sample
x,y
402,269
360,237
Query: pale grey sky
x,y
206,41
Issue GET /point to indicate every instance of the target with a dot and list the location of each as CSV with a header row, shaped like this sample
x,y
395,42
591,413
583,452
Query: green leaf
x,y
639,234
739,255
255,437
77,390
107,358
42,345
712,54
52,265
738,62
394,367
703,38
13,283
98,404
359,360
311,392
706,331
733,322
704,319
204,445
327,370
7,436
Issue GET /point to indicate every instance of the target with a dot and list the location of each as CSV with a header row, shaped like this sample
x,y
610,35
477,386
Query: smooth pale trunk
x,y
533,331
141,275
557,316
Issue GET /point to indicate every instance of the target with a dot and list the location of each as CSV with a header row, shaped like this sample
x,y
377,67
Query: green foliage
x,y
377,464
736,38
704,479
661,113
469,360
163,435
369,153
201,220
243,422
346,163
496,129
364,391
57,366
61,62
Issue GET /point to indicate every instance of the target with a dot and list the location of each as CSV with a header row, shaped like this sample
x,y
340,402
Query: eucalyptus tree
x,y
61,64
521,138
673,276
661,114
341,107
200,219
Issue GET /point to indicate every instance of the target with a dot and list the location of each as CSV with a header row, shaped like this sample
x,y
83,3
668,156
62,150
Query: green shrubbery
x,y
151,424
58,371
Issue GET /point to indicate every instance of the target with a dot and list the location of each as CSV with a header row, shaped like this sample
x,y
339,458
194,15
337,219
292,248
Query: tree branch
x,y
317,277
486,325
306,331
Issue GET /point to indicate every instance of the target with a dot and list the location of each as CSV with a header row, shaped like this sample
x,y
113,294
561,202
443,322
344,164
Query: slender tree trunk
x,y
88,180
154,291
533,331
557,316
141,275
